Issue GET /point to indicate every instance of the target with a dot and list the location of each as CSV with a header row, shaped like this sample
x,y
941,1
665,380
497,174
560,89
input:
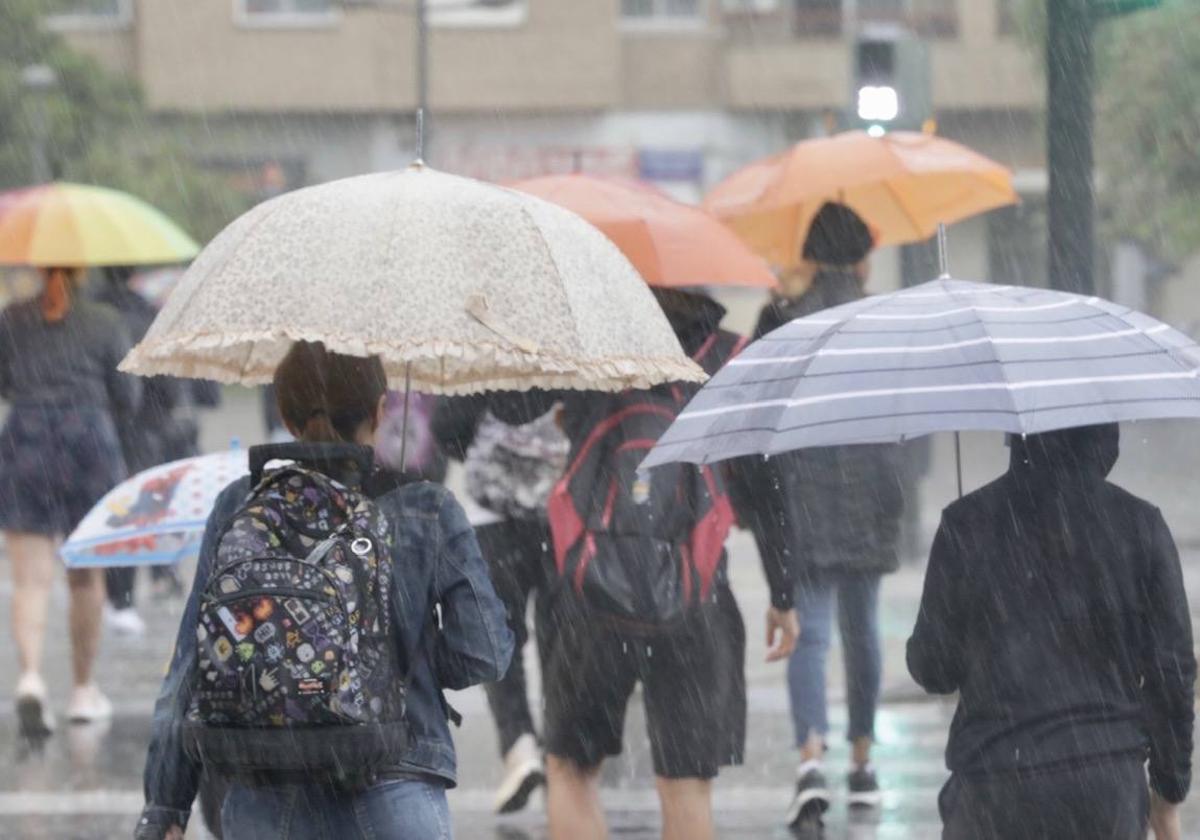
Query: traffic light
x,y
891,83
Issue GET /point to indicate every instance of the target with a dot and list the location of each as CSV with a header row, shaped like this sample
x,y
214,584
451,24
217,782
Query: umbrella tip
x,y
418,164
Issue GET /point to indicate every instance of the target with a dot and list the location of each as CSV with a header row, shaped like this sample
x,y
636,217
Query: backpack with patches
x,y
298,665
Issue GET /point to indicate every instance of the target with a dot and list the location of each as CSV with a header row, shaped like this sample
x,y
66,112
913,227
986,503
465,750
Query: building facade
x,y
679,92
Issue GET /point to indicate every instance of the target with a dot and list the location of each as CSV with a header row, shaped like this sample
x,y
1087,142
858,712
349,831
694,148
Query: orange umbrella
x,y
903,184
668,242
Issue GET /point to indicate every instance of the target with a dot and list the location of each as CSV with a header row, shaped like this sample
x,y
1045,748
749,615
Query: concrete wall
x,y
196,55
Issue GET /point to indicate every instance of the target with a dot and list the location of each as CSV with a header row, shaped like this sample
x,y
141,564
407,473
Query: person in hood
x,y
693,678
1054,605
831,517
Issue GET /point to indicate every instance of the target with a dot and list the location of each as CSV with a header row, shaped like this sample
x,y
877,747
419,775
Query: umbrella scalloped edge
x,y
450,368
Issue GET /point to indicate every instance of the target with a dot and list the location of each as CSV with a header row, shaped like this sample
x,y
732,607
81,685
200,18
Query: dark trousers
x,y
1107,799
518,553
118,582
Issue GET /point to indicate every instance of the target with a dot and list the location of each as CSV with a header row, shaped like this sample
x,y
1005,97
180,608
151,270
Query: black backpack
x,y
299,670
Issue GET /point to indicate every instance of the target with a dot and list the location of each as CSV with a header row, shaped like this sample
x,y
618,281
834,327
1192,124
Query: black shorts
x,y
693,682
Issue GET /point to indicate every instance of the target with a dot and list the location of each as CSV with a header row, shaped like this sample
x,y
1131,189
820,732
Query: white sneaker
x,y
88,704
33,714
125,621
523,774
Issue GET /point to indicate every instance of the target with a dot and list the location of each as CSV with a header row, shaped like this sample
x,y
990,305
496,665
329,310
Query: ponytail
x,y
327,397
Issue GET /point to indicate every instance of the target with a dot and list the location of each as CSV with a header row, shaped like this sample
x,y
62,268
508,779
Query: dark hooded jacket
x,y
827,508
1054,604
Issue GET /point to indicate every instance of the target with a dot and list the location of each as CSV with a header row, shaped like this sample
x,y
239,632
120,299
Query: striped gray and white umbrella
x,y
948,355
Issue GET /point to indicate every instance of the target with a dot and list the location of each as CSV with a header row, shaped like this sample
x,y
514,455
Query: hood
x,y
1082,452
693,316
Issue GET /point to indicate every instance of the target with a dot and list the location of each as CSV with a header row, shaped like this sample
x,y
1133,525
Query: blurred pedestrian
x,y
59,453
163,429
341,733
831,515
1055,606
596,622
510,471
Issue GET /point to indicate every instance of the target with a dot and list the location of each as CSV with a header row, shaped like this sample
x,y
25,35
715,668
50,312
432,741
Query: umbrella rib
x,y
824,338
908,213
992,346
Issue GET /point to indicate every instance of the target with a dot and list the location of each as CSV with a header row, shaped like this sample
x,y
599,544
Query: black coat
x,y
164,427
829,508
1054,604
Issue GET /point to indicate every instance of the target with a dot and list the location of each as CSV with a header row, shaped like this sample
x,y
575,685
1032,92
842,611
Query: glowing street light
x,y
878,103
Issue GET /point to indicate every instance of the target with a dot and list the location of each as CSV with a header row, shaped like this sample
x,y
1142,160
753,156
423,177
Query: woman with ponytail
x,y
59,453
333,404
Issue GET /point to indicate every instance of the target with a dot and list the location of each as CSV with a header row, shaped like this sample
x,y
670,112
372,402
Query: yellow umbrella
x,y
902,184
64,224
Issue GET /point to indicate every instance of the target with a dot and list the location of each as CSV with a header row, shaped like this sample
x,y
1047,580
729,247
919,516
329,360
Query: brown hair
x,y
60,283
326,397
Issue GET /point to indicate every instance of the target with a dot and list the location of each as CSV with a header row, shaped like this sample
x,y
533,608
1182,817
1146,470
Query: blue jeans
x,y
857,596
403,809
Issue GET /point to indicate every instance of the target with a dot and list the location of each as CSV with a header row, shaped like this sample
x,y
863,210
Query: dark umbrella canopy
x,y
948,355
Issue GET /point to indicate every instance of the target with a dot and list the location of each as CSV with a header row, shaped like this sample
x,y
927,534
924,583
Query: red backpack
x,y
640,550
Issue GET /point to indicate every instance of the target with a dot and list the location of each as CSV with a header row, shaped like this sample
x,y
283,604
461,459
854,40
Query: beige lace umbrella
x,y
457,285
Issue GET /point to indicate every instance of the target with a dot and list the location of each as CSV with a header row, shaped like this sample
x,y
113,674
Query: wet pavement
x,y
86,783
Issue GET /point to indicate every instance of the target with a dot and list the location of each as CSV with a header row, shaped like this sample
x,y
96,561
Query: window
x,y
285,12
1006,17
89,14
929,18
817,18
734,7
934,18
478,13
663,12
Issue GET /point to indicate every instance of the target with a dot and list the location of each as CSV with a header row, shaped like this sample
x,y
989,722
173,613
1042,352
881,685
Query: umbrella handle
x,y
943,255
958,461
404,417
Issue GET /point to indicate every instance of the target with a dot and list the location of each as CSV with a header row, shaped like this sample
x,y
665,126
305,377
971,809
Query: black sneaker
x,y
863,789
812,795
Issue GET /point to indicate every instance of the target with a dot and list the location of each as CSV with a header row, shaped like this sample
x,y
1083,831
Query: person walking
x,y
325,714
59,454
163,429
510,471
1055,606
830,515
594,654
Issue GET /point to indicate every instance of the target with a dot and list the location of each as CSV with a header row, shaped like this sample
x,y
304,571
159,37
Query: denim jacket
x,y
437,564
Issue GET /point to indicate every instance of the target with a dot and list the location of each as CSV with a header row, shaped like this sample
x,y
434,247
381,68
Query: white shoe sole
x,y
813,799
514,794
865,799
32,717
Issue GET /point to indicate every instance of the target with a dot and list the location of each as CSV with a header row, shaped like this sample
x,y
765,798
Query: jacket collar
x,y
347,463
